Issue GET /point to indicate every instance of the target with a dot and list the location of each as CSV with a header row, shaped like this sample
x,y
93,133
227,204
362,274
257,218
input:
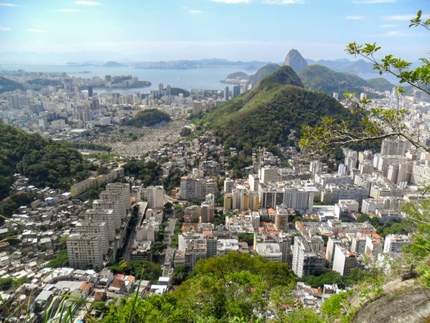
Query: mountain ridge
x,y
266,114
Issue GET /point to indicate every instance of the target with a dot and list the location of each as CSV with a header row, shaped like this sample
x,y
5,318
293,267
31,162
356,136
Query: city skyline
x,y
246,30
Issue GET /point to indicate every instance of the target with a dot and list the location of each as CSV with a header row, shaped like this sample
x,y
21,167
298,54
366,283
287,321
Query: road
x,y
130,241
168,234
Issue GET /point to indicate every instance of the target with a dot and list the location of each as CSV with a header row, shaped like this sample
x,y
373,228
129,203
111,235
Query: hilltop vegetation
x,y
262,73
322,79
176,91
380,84
147,118
231,288
9,85
43,161
265,115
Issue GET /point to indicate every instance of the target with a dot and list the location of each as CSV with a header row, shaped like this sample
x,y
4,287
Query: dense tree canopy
x,y
147,118
43,161
231,288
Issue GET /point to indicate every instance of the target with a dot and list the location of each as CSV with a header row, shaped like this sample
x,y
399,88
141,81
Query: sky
x,y
155,30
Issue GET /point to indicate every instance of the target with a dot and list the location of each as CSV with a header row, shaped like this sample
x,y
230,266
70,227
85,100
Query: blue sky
x,y
266,30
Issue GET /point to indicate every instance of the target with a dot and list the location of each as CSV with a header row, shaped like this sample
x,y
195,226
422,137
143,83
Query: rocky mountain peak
x,y
295,60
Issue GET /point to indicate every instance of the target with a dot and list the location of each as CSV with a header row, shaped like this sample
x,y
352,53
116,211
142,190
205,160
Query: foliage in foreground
x,y
378,122
221,289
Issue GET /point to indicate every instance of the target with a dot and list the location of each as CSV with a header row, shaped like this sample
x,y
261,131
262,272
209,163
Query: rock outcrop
x,y
295,60
401,302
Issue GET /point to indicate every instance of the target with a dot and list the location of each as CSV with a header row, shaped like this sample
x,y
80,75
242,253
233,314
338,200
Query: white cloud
x,y
353,17
36,30
374,1
394,33
4,28
2,4
405,17
388,26
195,12
232,1
67,10
283,1
88,3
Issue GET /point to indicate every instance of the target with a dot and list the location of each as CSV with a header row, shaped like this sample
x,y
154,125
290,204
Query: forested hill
x,y
265,115
322,79
43,161
9,85
147,118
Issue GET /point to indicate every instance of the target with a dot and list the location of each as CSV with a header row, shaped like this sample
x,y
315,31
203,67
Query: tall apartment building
x,y
395,242
253,181
284,215
108,204
325,179
207,212
85,250
120,211
226,93
100,216
124,189
394,146
291,194
332,193
95,227
228,185
344,260
268,174
235,91
305,261
191,188
155,196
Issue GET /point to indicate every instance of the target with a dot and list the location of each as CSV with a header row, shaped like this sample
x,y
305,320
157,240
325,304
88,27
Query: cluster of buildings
x,y
101,230
43,297
58,104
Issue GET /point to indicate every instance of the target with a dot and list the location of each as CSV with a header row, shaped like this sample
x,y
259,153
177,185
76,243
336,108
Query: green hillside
x,y
262,73
380,84
147,118
322,79
9,85
238,75
265,115
43,161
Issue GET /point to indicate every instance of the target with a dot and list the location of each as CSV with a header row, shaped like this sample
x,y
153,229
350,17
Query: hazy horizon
x,y
58,32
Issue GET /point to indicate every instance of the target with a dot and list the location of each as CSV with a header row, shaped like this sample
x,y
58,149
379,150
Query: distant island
x,y
236,78
113,64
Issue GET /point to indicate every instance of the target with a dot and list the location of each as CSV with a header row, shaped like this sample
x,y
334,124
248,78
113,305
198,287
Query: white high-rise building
x,y
95,227
155,196
395,242
102,216
305,261
107,204
228,185
85,250
344,260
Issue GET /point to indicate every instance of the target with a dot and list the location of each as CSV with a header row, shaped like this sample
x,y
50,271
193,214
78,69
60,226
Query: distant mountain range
x,y
101,59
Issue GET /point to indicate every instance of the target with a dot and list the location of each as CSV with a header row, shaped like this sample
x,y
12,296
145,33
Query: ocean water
x,y
201,78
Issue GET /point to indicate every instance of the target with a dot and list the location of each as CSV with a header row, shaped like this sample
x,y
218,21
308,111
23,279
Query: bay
x,y
201,78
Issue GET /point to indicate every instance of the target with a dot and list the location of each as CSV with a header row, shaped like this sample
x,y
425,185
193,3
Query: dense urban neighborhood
x,y
163,198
